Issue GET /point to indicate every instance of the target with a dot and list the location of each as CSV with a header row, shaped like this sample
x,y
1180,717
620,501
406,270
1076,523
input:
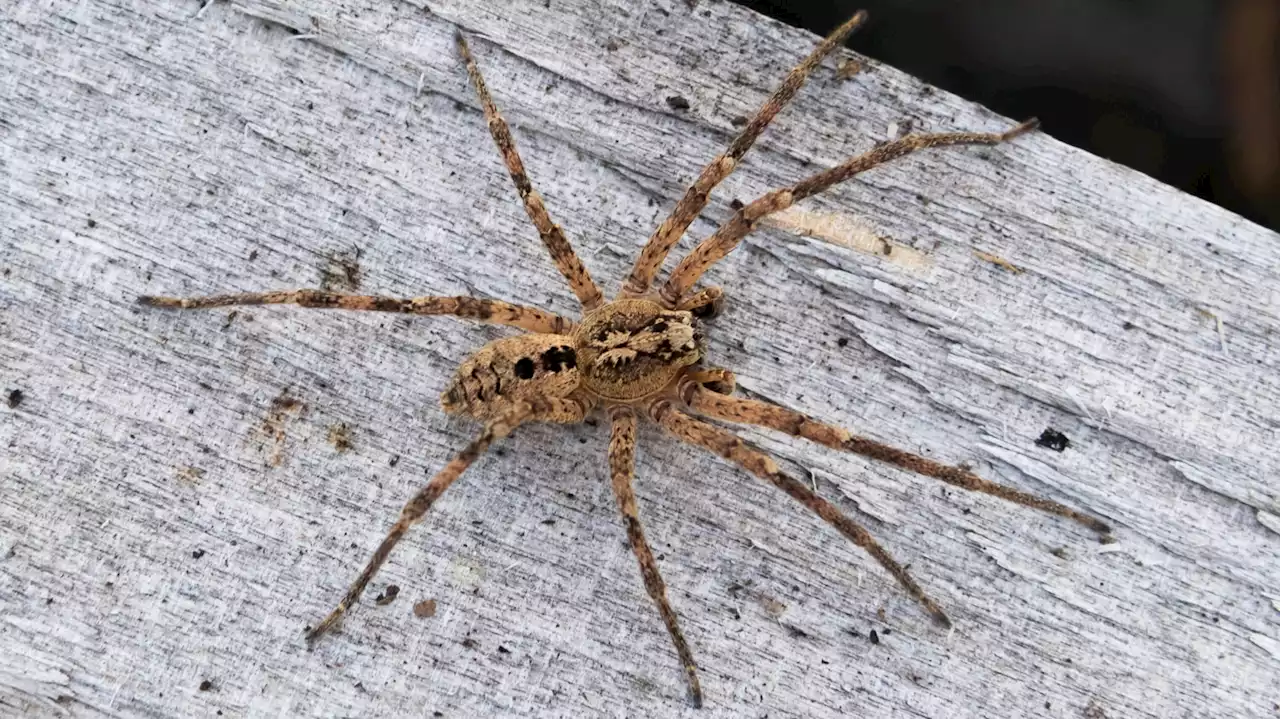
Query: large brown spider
x,y
642,354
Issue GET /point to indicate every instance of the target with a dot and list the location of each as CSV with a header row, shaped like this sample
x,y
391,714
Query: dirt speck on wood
x,y
425,609
1051,438
340,436
341,271
387,596
283,408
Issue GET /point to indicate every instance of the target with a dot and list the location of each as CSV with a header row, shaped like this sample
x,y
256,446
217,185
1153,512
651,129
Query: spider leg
x,y
559,410
552,236
764,414
726,238
695,198
622,456
733,448
495,311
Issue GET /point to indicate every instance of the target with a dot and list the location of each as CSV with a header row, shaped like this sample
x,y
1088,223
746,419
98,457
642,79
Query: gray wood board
x,y
166,524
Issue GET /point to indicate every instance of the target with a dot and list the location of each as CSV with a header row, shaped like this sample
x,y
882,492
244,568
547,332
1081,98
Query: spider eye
x,y
659,327
524,368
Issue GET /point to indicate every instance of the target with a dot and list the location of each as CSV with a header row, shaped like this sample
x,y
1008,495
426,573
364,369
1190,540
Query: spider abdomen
x,y
513,369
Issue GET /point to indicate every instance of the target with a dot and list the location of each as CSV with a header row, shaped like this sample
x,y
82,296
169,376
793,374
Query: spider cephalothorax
x,y
641,355
632,349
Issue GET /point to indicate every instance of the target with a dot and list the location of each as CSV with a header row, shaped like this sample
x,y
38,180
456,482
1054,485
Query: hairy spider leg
x,y
716,405
695,197
733,448
671,229
552,236
726,238
622,459
550,409
531,319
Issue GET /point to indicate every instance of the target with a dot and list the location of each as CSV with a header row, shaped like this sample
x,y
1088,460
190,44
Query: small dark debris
x,y
48,601
739,121
503,650
395,459
548,522
796,632
1059,552
874,637
612,45
206,685
15,398
470,643
196,554
677,102
92,223
387,596
1053,439
253,255
843,342
1128,325
735,204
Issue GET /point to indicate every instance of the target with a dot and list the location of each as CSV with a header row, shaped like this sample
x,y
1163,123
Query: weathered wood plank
x,y
152,542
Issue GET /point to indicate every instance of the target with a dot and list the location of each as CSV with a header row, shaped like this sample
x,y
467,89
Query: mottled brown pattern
x,y
638,355
704,304
530,319
538,410
622,460
747,411
724,240
552,236
695,198
633,348
755,461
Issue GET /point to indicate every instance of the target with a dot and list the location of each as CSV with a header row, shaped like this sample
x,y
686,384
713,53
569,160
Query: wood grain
x,y
154,561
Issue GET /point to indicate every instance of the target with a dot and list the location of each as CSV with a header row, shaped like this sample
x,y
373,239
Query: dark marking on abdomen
x,y
558,358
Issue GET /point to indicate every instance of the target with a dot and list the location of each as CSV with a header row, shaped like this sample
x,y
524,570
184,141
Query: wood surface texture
x,y
182,493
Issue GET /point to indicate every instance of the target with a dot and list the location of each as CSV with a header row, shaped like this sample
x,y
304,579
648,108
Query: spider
x,y
643,354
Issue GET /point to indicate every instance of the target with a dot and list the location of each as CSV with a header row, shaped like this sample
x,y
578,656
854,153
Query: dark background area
x,y
1187,91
